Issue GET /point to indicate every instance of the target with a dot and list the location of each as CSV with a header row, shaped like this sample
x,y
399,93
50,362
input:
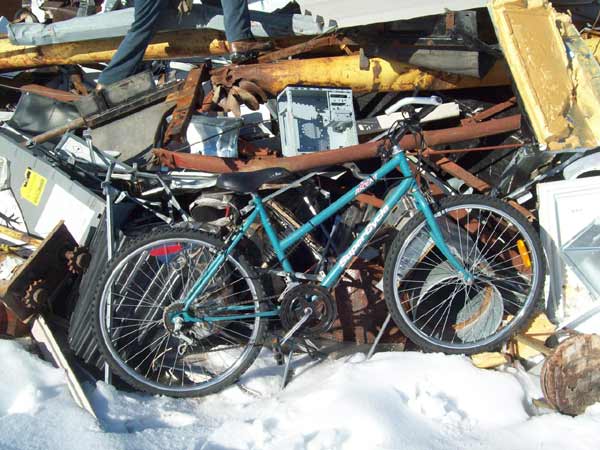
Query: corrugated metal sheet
x,y
349,13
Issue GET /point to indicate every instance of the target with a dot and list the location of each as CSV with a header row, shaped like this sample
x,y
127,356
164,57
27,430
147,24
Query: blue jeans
x,y
127,60
237,20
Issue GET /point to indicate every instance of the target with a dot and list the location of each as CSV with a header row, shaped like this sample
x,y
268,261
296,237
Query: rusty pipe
x,y
381,75
213,164
56,132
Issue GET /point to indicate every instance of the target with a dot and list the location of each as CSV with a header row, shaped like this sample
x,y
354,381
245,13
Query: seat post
x,y
271,233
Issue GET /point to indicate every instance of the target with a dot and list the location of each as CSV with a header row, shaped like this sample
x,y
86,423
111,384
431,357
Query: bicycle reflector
x,y
166,252
524,253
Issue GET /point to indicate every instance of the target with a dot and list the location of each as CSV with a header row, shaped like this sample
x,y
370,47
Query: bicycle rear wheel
x,y
145,282
431,302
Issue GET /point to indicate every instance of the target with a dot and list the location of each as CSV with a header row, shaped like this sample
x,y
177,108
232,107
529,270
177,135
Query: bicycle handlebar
x,y
424,101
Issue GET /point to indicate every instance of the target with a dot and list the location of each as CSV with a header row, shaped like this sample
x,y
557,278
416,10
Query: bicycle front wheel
x,y
146,283
431,302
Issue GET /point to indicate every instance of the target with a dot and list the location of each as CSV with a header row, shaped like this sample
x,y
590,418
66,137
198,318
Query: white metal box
x,y
315,119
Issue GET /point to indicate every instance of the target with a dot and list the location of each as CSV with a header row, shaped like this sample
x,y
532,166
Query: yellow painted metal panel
x,y
554,71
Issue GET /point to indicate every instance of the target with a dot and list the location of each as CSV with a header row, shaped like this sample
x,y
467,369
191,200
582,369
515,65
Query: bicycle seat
x,y
249,182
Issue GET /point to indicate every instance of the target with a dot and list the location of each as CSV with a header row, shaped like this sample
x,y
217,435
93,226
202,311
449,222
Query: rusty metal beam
x,y
25,85
186,99
457,171
451,168
302,163
56,94
317,43
490,112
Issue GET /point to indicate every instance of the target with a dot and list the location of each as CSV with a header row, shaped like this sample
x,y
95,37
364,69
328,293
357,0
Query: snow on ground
x,y
395,401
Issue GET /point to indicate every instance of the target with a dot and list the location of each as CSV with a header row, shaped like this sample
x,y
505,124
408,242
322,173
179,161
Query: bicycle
x,y
181,313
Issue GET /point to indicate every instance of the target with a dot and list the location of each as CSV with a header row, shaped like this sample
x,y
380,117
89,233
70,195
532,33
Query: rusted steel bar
x,y
56,94
78,84
302,163
451,168
382,75
490,112
57,132
457,171
186,99
23,86
305,47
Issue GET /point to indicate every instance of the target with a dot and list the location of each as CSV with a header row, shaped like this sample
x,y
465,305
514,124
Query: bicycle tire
x,y
416,277
117,267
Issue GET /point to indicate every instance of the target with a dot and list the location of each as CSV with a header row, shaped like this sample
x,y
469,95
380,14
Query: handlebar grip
x,y
422,101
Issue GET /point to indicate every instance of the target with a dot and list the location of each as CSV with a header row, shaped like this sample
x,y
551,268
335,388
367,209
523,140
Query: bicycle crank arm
x,y
307,313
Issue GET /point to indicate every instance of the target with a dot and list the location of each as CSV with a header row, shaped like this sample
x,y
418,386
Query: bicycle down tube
x,y
280,246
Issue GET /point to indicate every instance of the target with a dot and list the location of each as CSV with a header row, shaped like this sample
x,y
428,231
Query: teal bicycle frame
x,y
408,185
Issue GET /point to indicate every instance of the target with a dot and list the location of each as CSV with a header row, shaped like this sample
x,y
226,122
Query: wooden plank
x,y
43,335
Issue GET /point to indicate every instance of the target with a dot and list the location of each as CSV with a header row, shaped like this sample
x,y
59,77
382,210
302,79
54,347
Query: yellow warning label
x,y
33,187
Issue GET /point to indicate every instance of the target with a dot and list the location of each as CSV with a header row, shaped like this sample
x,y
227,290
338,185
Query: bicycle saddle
x,y
249,182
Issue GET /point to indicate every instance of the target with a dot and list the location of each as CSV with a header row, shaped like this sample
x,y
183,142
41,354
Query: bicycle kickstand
x,y
379,336
288,337
288,372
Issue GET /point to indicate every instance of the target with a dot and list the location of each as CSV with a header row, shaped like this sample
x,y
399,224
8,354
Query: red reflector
x,y
166,250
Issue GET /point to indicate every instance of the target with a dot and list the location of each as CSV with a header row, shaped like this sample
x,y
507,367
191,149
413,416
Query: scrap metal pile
x,y
518,123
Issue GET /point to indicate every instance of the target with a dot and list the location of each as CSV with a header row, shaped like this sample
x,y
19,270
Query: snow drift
x,y
395,401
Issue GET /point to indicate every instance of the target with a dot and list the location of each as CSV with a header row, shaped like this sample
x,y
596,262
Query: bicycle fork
x,y
438,237
423,206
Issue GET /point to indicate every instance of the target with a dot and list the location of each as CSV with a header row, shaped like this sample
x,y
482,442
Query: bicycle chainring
x,y
295,302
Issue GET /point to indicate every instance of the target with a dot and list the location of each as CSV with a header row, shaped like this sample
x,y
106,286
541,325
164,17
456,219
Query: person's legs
x,y
131,51
242,45
237,20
